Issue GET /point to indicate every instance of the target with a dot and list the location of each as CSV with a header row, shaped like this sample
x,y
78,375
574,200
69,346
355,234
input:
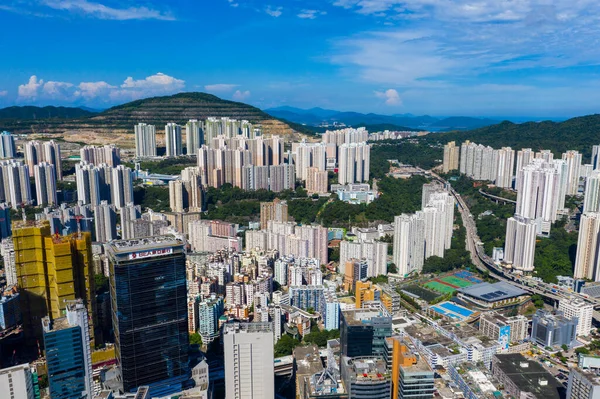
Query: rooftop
x,y
493,292
366,369
125,246
237,328
357,317
530,376
308,360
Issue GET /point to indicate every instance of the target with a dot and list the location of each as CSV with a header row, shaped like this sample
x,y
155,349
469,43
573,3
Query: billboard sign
x,y
150,254
504,337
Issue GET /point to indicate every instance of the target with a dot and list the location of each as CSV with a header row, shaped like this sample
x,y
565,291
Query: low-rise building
x,y
504,329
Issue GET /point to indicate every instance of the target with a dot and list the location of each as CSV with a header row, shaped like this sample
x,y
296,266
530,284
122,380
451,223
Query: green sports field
x,y
459,282
439,287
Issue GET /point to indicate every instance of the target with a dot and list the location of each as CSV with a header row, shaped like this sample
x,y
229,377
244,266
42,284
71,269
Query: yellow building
x,y
365,291
51,270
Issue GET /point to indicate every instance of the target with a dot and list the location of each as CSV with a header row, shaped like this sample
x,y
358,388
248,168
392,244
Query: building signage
x,y
150,254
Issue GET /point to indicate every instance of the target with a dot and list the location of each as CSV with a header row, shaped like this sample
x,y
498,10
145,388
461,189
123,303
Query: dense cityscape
x,y
106,298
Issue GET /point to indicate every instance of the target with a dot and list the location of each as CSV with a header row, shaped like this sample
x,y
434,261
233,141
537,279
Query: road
x,y
485,263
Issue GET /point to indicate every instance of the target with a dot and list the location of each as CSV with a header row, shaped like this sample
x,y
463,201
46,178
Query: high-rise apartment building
x,y
7,145
16,188
583,384
579,309
505,164
52,156
409,243
591,200
68,353
194,136
309,155
45,184
51,270
108,154
173,140
145,140
121,186
248,360
519,247
573,159
209,311
353,163
373,252
129,213
105,222
316,181
451,157
587,260
149,311
282,177
95,183
439,222
276,211
19,382
37,152
524,158
596,157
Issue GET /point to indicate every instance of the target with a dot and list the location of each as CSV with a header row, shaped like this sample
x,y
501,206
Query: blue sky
x,y
537,58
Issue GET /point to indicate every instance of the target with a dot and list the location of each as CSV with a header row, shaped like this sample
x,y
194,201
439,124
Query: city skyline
x,y
384,56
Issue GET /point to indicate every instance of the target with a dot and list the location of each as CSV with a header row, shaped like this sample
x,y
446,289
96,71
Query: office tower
x,y
108,154
524,157
173,140
68,353
573,159
353,162
439,222
505,164
411,375
19,382
51,270
577,308
145,140
121,186
5,229
596,157
105,221
248,360
366,377
194,136
316,181
45,184
52,156
16,188
451,155
363,332
276,211
582,384
129,213
587,260
209,311
591,199
409,243
7,145
519,248
149,311
553,329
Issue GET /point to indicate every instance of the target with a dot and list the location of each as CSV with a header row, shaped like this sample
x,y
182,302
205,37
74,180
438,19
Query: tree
x,y
565,347
195,339
285,346
582,351
101,283
392,268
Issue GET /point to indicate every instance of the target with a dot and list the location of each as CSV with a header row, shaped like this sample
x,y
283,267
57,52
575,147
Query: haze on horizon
x,y
489,58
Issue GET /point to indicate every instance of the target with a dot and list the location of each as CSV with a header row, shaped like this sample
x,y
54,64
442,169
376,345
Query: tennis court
x,y
439,287
456,281
465,275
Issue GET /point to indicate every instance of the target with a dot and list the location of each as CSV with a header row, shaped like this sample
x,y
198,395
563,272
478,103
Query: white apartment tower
x,y
353,162
505,164
121,186
17,382
587,260
409,243
16,188
439,223
573,159
173,140
145,140
7,145
596,157
194,136
519,247
249,371
45,184
591,200
524,158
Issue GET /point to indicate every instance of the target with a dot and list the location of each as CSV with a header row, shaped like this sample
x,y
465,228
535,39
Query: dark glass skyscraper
x,y
149,310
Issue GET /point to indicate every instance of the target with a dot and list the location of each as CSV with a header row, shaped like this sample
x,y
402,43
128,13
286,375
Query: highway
x,y
484,263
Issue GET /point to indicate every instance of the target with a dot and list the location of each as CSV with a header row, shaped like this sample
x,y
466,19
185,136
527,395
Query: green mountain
x,y
574,134
50,112
178,108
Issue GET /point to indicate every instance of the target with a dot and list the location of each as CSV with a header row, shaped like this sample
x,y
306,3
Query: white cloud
x,y
102,11
391,96
3,93
100,91
274,12
232,3
29,90
220,87
310,14
241,95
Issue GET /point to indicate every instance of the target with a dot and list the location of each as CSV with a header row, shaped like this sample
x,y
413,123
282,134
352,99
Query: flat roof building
x,y
493,296
583,385
366,377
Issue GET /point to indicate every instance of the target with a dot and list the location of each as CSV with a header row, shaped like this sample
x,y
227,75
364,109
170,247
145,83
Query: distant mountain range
x,y
320,116
50,112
